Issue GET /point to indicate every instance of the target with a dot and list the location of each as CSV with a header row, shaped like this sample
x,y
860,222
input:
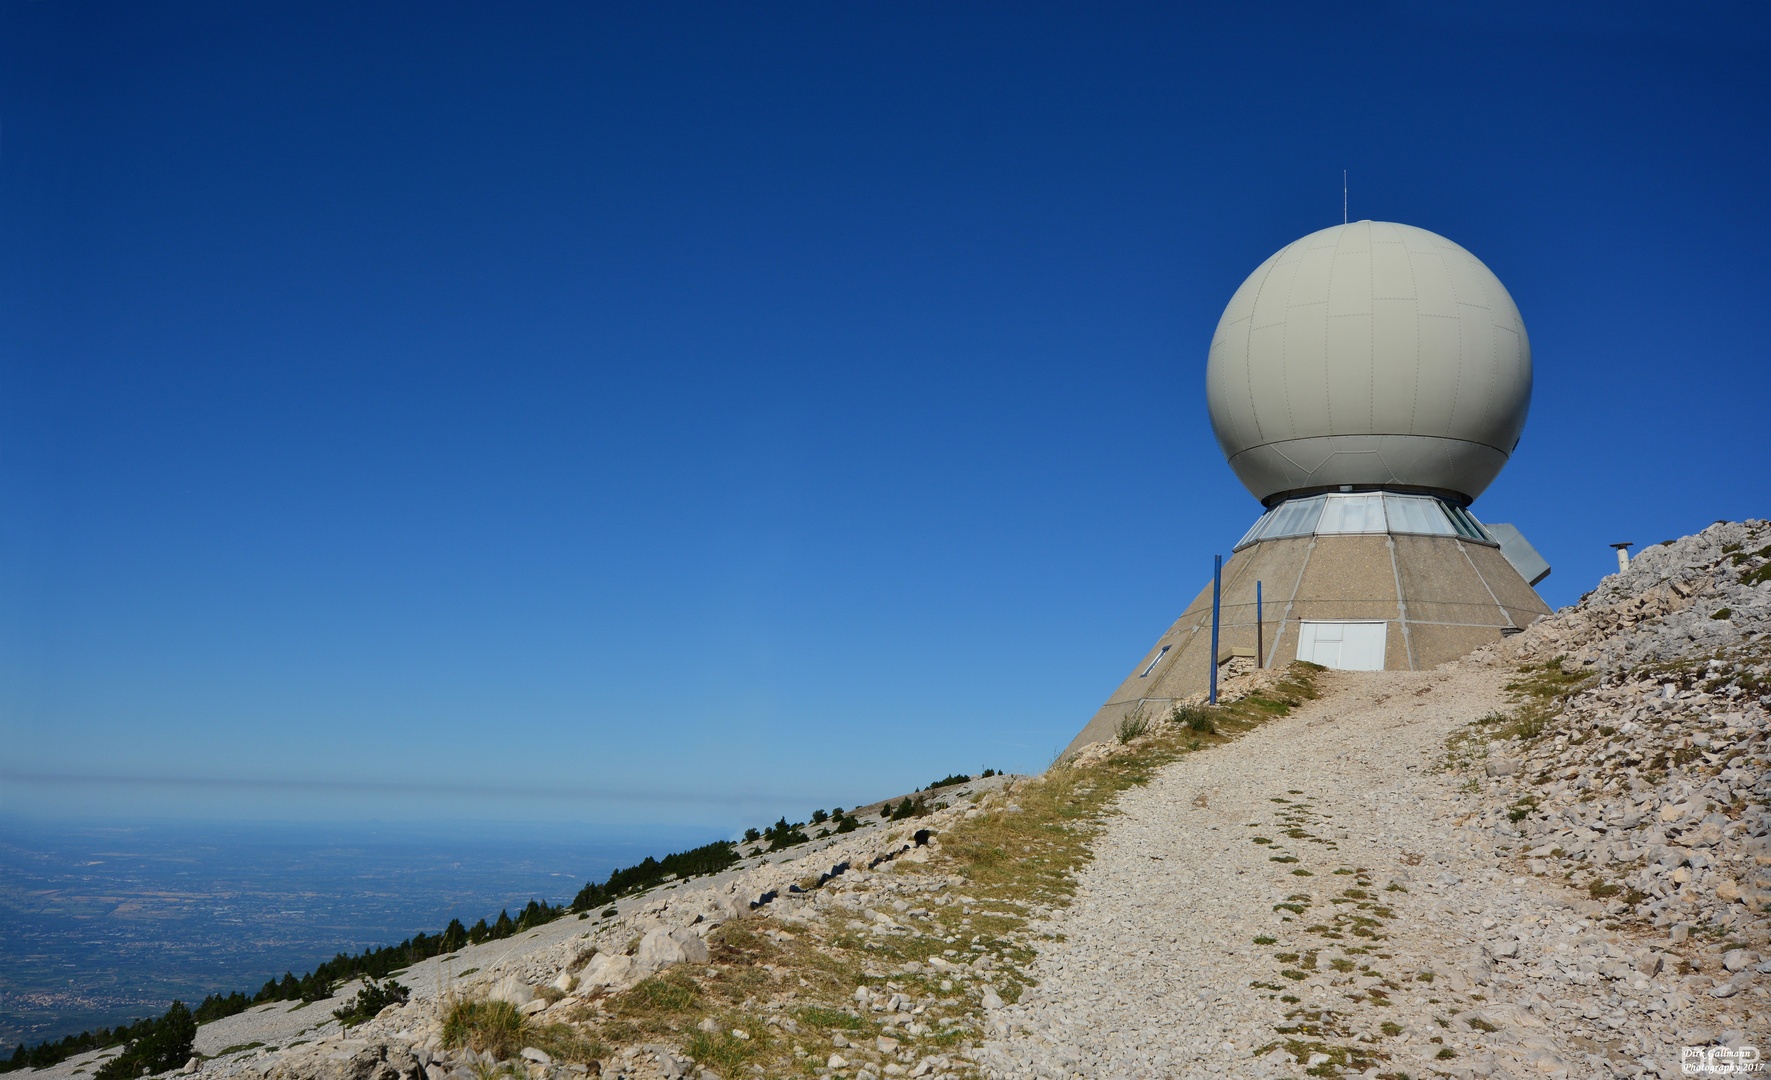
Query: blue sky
x,y
695,413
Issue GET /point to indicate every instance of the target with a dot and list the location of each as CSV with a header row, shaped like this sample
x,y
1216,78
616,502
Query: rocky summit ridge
x,y
1549,858
1648,785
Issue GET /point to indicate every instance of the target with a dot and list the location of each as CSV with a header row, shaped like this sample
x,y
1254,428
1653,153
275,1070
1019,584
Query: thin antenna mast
x,y
1343,196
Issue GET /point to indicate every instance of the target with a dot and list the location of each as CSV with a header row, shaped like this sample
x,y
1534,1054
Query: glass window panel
x,y
1371,514
1295,517
1476,526
1466,525
1415,514
1406,515
1253,532
1464,528
1352,514
1275,521
1309,513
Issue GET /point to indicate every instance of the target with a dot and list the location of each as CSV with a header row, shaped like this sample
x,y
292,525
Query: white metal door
x,y
1344,646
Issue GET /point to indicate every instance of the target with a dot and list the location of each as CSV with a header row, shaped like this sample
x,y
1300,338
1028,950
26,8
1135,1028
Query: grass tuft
x,y
1134,724
486,1027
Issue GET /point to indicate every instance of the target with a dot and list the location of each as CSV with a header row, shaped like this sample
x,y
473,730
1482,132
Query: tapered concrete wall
x,y
1441,597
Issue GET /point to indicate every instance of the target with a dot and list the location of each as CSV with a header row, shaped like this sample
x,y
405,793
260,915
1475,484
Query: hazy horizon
x,y
104,923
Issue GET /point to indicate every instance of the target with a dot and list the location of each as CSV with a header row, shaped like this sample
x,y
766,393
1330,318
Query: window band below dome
x,y
1364,513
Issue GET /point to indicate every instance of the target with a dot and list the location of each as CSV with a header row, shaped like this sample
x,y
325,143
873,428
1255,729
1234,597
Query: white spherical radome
x,y
1369,355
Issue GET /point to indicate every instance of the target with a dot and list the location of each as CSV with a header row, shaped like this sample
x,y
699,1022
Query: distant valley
x,y
100,924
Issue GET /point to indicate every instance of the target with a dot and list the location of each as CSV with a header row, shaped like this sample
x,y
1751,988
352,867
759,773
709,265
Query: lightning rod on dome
x,y
1343,196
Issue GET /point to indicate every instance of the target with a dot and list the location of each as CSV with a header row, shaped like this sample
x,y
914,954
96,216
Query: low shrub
x,y
908,809
371,999
781,835
1196,718
1133,724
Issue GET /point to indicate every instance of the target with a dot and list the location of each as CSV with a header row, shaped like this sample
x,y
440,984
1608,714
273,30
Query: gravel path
x,y
1159,973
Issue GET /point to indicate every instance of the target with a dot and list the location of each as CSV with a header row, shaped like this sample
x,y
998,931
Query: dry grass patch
x,y
488,1027
498,1029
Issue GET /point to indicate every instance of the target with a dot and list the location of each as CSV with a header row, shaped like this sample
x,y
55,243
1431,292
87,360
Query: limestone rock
x,y
694,949
609,971
658,950
1709,834
512,989
590,964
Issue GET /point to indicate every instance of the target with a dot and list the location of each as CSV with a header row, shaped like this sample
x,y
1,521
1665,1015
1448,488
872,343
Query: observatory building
x,y
1367,383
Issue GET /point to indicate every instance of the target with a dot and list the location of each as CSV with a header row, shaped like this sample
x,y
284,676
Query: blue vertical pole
x,y
1217,579
1258,658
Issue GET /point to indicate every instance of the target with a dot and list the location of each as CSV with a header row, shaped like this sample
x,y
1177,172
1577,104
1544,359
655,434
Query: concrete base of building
x,y
1436,598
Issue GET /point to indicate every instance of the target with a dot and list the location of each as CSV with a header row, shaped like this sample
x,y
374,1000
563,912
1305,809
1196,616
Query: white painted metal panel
x,y
1344,646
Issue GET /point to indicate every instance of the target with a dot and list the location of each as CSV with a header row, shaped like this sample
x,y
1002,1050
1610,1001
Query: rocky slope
x,y
1648,784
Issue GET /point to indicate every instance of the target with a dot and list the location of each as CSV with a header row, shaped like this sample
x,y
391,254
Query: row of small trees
x,y
152,1046
958,778
706,859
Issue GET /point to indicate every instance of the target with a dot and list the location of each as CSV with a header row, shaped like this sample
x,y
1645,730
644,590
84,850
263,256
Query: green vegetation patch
x,y
370,1000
